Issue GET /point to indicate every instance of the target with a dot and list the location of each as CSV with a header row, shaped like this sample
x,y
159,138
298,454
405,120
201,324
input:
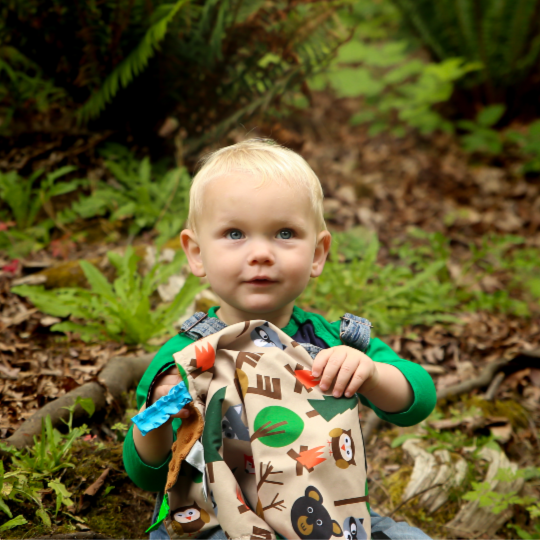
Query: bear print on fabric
x,y
232,425
264,336
353,529
189,519
311,520
342,448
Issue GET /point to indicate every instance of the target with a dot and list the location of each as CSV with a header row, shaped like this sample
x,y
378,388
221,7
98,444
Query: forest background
x,y
422,120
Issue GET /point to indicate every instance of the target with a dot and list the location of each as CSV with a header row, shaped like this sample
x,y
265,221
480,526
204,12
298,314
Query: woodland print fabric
x,y
279,454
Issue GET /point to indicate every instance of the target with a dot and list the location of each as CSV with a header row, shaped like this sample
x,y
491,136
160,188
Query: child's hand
x,y
353,368
162,387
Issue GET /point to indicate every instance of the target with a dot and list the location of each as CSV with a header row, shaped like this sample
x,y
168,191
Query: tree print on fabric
x,y
264,476
212,437
329,407
277,426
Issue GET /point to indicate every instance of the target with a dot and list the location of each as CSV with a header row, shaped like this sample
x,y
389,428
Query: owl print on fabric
x,y
342,448
189,519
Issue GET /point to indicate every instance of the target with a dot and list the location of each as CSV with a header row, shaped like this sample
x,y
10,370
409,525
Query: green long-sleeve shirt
x,y
154,478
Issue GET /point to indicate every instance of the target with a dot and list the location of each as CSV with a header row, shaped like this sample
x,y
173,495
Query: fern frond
x,y
131,66
519,31
414,15
467,24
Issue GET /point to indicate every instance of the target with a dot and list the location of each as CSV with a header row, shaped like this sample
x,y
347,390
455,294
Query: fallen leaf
x,y
95,487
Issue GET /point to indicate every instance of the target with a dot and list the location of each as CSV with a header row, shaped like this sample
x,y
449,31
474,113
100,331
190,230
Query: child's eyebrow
x,y
275,224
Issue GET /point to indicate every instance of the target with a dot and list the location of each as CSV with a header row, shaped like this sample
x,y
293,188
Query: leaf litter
x,y
384,184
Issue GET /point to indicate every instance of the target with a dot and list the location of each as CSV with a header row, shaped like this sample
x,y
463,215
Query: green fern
x,y
502,34
132,65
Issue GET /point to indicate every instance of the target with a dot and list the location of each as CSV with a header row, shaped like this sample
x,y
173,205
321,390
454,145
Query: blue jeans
x,y
381,527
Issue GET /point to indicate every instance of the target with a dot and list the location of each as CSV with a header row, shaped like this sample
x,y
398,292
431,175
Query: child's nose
x,y
261,253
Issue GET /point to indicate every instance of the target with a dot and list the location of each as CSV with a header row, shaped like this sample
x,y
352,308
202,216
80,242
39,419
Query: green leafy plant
x,y
22,202
481,136
534,513
497,502
417,288
121,311
40,464
24,87
528,144
399,89
150,197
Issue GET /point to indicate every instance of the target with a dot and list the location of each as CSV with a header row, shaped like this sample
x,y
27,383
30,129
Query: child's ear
x,y
190,245
322,247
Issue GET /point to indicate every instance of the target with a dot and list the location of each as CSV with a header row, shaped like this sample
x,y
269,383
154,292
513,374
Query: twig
x,y
117,377
494,386
478,382
412,497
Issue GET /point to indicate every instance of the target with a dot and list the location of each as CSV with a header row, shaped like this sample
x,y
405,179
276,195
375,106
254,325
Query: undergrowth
x,y
44,486
416,285
122,311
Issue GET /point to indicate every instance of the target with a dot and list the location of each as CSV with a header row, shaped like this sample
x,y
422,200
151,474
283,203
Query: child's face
x,y
258,246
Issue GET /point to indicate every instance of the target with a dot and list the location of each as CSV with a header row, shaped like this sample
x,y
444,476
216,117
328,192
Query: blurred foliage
x,y
381,64
143,195
502,35
417,288
149,196
21,202
206,62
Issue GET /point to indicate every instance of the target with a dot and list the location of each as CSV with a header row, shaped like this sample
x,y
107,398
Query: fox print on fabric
x,y
279,455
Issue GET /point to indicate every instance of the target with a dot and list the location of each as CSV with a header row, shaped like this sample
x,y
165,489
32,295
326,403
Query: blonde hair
x,y
268,161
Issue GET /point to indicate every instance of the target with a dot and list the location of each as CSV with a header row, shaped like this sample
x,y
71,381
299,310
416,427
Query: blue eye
x,y
285,234
235,234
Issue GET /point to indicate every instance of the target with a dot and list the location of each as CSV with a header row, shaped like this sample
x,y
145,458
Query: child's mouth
x,y
261,282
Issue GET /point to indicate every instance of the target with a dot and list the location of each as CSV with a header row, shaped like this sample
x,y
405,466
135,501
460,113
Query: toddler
x,y
256,230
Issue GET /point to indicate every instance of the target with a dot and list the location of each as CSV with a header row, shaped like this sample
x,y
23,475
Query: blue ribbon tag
x,y
159,412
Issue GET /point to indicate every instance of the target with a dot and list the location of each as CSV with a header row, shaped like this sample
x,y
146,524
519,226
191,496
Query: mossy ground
x,y
124,512
390,468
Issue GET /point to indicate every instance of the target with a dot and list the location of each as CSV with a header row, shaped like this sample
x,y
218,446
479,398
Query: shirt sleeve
x,y
143,475
425,396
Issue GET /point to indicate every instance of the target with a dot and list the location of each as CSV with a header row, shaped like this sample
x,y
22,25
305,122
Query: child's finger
x,y
360,376
182,413
320,362
332,367
346,372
